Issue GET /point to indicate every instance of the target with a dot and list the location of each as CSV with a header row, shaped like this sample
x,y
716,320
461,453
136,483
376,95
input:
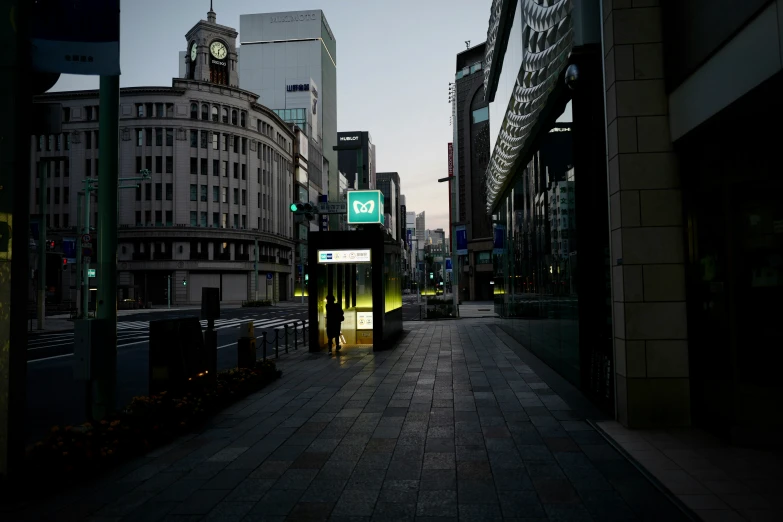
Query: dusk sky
x,y
395,60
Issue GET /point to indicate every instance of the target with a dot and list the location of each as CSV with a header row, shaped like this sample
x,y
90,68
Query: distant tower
x,y
212,52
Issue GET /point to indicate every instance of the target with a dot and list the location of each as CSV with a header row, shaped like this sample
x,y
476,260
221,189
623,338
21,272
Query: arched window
x,y
205,111
225,115
234,117
215,117
194,111
242,118
259,124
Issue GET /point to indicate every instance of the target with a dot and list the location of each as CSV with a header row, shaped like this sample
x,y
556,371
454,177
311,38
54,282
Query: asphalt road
x,y
53,397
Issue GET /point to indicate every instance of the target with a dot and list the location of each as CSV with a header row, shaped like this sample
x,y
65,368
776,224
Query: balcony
x,y
242,257
140,256
162,256
199,256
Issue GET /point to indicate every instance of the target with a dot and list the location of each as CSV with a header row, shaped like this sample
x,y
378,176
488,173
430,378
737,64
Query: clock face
x,y
193,52
218,50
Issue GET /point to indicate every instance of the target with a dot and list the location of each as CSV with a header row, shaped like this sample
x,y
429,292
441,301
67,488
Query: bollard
x,y
277,344
285,327
296,339
263,340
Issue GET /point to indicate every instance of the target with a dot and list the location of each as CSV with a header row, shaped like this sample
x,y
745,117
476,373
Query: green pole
x,y
255,265
78,248
106,371
42,244
85,265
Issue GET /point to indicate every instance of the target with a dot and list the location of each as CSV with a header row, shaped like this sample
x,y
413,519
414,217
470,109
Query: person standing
x,y
334,317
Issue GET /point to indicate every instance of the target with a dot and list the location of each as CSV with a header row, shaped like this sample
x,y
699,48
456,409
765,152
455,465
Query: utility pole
x,y
168,292
42,244
79,288
302,275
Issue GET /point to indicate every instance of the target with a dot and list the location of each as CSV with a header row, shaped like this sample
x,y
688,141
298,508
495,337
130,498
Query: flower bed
x,y
79,451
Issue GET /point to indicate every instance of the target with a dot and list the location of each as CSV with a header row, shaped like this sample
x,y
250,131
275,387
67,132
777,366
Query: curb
x,y
649,476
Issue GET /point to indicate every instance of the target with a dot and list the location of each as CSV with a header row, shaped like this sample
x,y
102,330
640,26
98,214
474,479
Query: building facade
x,y
470,158
363,178
677,230
389,185
281,52
220,178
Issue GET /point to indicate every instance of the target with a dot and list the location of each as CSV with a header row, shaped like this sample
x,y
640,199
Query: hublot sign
x,y
219,63
349,138
294,18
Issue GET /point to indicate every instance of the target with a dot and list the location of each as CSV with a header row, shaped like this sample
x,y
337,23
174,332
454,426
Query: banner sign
x,y
365,206
76,37
499,242
462,240
451,159
448,264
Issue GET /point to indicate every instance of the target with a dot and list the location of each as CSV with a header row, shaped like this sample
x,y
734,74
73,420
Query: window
x,y
204,138
158,191
244,221
97,140
169,137
236,220
194,111
169,218
66,195
236,196
194,165
87,168
169,164
148,163
215,138
193,218
242,117
244,145
87,140
148,108
258,201
215,194
66,114
169,110
215,114
138,163
224,169
259,175
194,193
159,217
57,221
158,110
88,113
215,167
203,219
56,169
194,139
203,166
225,141
138,218
224,220
57,195
148,133
158,163
234,117
236,170
480,115
139,137
215,219
235,140
148,193
158,137
203,193
169,191
244,197
204,111
224,194
66,167
244,171
138,193
148,217
225,115
139,110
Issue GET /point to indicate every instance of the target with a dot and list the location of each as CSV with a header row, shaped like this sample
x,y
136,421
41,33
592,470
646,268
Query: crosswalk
x,y
220,324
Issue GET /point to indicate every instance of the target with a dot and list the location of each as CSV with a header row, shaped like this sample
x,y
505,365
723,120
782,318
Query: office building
x,y
364,177
389,185
470,159
220,169
290,61
676,222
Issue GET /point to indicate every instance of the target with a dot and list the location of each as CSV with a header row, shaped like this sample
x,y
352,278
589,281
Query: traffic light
x,y
50,244
65,263
432,275
184,282
306,209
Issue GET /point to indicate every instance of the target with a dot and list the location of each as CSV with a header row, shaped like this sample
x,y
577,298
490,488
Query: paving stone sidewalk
x,y
452,424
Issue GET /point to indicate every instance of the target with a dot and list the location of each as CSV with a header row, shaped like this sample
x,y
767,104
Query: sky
x,y
395,59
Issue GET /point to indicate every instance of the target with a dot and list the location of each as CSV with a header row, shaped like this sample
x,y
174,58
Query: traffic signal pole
x,y
42,244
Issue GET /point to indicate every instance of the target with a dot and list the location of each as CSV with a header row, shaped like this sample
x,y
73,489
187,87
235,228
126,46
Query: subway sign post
x,y
365,207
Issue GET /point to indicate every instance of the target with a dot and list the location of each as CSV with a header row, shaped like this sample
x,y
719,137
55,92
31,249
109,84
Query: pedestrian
x,y
334,316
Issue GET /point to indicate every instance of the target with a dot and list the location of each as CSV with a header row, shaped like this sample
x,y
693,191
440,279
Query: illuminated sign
x,y
90,272
364,320
361,255
365,207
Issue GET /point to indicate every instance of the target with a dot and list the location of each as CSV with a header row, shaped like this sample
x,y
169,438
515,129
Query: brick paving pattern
x,y
452,424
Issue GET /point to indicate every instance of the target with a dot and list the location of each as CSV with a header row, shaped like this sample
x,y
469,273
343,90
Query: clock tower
x,y
212,52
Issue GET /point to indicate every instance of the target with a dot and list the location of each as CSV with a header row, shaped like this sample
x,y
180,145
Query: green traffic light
x,y
293,207
184,282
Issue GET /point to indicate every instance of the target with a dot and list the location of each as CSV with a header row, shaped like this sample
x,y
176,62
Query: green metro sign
x,y
365,207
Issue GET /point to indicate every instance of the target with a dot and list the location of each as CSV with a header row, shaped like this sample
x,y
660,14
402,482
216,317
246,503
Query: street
x,y
53,397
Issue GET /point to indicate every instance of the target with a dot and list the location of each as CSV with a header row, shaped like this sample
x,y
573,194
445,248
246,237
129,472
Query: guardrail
x,y
295,327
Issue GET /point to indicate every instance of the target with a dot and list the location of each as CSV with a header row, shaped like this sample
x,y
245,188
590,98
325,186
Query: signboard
x,y
448,264
76,37
409,238
332,207
361,255
86,239
451,159
91,272
364,320
499,241
462,240
69,249
269,277
365,207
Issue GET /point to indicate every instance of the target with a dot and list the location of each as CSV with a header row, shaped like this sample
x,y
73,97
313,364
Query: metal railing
x,y
298,338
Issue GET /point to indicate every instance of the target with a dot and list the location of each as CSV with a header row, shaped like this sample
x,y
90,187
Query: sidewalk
x,y
457,422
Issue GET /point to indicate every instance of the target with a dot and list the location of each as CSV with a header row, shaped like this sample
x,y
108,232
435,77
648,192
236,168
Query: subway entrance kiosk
x,y
362,270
